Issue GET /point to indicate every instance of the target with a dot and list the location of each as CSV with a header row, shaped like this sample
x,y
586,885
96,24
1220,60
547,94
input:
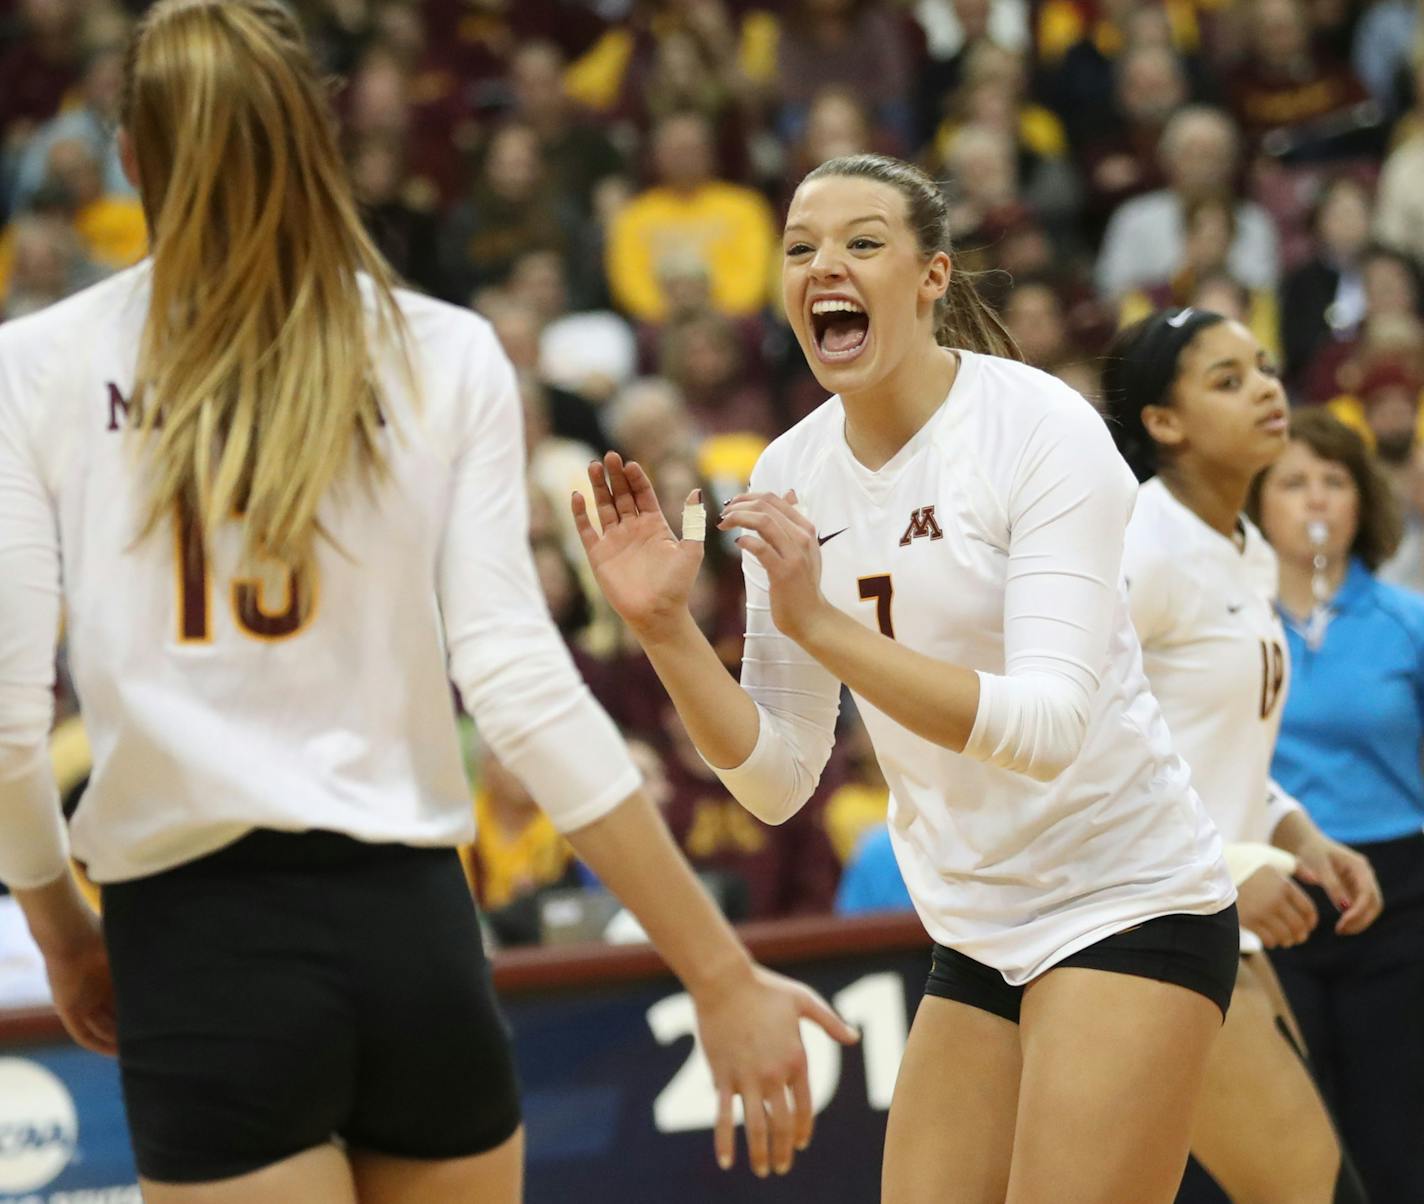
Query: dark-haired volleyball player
x,y
1197,411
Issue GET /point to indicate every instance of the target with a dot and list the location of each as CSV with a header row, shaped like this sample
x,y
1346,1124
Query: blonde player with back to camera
x,y
944,536
290,962
1197,410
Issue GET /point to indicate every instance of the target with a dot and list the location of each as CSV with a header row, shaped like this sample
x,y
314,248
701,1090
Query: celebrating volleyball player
x,y
944,536
279,500
1197,411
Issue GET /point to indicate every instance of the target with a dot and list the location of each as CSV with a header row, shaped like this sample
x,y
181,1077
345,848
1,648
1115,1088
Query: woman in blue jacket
x,y
1350,750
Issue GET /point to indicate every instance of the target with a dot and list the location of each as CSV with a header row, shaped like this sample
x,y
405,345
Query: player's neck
x,y
1216,497
881,420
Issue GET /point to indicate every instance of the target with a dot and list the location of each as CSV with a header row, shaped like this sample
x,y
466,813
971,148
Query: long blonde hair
x,y
256,383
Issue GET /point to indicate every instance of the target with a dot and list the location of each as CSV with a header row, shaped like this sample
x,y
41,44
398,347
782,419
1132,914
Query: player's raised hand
x,y
751,1035
783,541
643,569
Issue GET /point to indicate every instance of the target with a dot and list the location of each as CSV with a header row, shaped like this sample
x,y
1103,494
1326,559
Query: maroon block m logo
x,y
922,526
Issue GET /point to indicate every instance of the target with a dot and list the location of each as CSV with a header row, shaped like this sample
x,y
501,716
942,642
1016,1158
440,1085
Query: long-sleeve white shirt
x,y
201,728
992,540
1215,654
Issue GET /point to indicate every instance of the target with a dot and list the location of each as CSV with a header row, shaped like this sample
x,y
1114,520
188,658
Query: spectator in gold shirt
x,y
728,226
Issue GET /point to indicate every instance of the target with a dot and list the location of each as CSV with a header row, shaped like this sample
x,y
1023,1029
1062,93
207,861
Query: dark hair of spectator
x,y
1381,526
1325,192
1376,250
964,318
1141,366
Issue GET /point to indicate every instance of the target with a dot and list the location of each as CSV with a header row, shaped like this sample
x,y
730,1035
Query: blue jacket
x,y
872,881
1353,726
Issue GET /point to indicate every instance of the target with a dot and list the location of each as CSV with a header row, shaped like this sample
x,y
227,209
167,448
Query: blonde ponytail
x,y
256,381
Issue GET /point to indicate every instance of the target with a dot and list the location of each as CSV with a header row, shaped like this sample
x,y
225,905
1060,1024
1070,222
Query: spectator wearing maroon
x,y
1385,408
703,355
39,69
1287,83
1392,295
398,215
859,44
1389,395
577,153
1024,253
1333,24
1121,161
93,120
510,210
387,98
477,40
682,75
701,65
1037,318
787,870
836,124
1323,300
984,196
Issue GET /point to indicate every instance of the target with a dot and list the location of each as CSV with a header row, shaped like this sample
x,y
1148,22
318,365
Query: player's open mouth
x,y
840,328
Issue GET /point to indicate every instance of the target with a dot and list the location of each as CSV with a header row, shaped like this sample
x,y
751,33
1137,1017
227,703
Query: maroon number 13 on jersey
x,y
250,606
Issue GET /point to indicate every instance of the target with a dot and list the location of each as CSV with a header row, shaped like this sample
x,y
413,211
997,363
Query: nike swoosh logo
x,y
824,539
1231,610
1179,320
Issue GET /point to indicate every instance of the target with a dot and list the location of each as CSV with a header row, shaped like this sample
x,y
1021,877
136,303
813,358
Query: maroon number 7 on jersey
x,y
879,588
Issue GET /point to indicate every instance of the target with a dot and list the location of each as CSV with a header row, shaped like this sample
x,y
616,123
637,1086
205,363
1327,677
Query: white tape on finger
x,y
694,521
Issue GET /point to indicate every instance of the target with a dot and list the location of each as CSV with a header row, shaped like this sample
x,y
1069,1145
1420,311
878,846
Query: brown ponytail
x,y
965,318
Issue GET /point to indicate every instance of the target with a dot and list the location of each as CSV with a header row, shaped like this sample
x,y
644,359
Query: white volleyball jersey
x,y
1005,512
212,708
1214,652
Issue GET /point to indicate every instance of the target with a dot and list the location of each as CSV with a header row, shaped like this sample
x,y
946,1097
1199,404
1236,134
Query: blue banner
x,y
617,1099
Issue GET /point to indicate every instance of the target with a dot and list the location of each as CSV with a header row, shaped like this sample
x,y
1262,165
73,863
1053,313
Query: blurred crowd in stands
x,y
604,180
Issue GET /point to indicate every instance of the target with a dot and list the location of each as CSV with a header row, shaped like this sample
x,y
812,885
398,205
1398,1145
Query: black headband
x,y
1149,366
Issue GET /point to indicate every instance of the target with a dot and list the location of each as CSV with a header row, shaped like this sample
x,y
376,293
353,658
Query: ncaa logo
x,y
38,1125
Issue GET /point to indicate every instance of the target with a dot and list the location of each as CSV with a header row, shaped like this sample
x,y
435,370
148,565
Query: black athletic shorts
x,y
1200,953
292,989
